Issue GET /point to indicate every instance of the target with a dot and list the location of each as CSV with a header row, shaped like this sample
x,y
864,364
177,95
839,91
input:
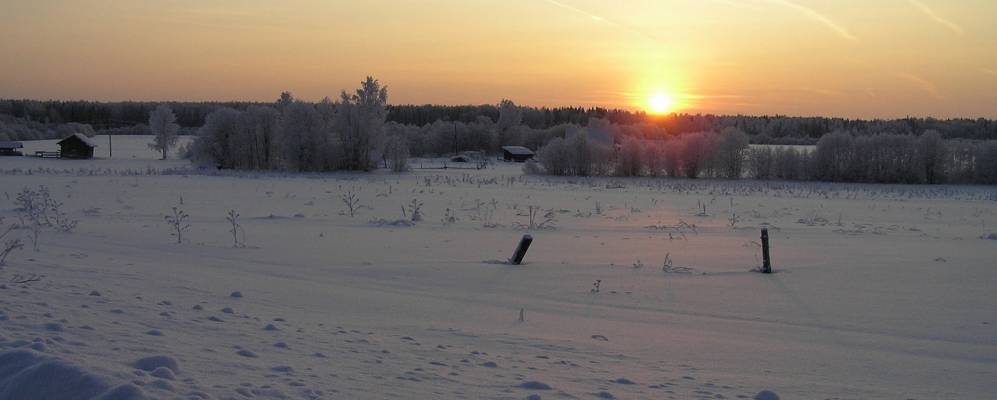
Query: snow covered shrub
x,y
414,210
538,221
39,210
532,167
556,157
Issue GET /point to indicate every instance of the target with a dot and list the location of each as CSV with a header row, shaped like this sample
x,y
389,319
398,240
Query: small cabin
x,y
11,148
76,146
516,153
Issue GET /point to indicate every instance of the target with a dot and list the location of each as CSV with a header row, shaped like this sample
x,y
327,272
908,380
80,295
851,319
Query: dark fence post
x,y
524,244
766,263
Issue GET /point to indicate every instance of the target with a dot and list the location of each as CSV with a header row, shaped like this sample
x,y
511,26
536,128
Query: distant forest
x,y
24,119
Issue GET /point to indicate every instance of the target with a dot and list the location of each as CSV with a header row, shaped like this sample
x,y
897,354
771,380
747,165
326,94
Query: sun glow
x,y
660,103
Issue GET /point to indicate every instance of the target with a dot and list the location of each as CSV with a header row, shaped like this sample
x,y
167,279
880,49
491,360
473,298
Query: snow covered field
x,y
881,291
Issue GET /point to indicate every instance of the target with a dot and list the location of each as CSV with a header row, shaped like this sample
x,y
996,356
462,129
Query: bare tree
x,y
236,228
178,223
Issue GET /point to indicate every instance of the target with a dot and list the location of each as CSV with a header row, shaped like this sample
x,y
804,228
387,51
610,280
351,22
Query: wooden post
x,y
524,244
766,263
110,149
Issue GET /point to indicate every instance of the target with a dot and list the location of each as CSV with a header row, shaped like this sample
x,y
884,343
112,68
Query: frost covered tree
x,y
761,162
986,162
359,122
696,151
305,138
508,124
932,153
396,153
261,137
730,152
833,157
215,139
556,157
163,124
629,160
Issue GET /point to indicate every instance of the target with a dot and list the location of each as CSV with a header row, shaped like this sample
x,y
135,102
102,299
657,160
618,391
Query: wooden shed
x,y
10,148
516,153
76,146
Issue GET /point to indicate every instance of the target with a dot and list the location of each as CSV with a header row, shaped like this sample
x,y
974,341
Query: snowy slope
x,y
880,291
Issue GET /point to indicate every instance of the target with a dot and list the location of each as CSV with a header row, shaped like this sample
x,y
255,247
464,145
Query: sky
x,y
847,58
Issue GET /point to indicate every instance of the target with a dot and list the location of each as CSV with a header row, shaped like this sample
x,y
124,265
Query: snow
x,y
880,291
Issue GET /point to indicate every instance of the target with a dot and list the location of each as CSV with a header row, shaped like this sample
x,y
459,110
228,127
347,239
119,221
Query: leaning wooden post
x,y
524,244
766,263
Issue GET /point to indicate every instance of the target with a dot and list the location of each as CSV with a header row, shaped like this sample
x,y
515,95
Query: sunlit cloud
x,y
952,26
989,71
927,86
816,16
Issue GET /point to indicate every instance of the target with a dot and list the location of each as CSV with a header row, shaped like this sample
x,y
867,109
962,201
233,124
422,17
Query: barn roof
x,y
518,150
11,145
81,137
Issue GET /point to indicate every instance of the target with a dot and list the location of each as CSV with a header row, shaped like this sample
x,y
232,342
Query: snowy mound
x,y
25,374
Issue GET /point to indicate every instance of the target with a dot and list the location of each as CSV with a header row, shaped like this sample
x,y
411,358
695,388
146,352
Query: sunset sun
x,y
660,103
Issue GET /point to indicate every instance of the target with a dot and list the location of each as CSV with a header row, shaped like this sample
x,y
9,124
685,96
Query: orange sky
x,y
887,58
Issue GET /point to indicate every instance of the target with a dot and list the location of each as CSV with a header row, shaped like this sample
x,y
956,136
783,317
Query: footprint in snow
x,y
246,353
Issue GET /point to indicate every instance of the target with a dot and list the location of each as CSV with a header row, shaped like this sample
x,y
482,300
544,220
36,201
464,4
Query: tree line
x,y
131,117
837,157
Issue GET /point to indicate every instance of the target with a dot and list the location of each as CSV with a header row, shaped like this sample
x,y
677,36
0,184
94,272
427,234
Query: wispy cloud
x,y
927,86
576,9
952,26
824,92
816,16
990,71
601,19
